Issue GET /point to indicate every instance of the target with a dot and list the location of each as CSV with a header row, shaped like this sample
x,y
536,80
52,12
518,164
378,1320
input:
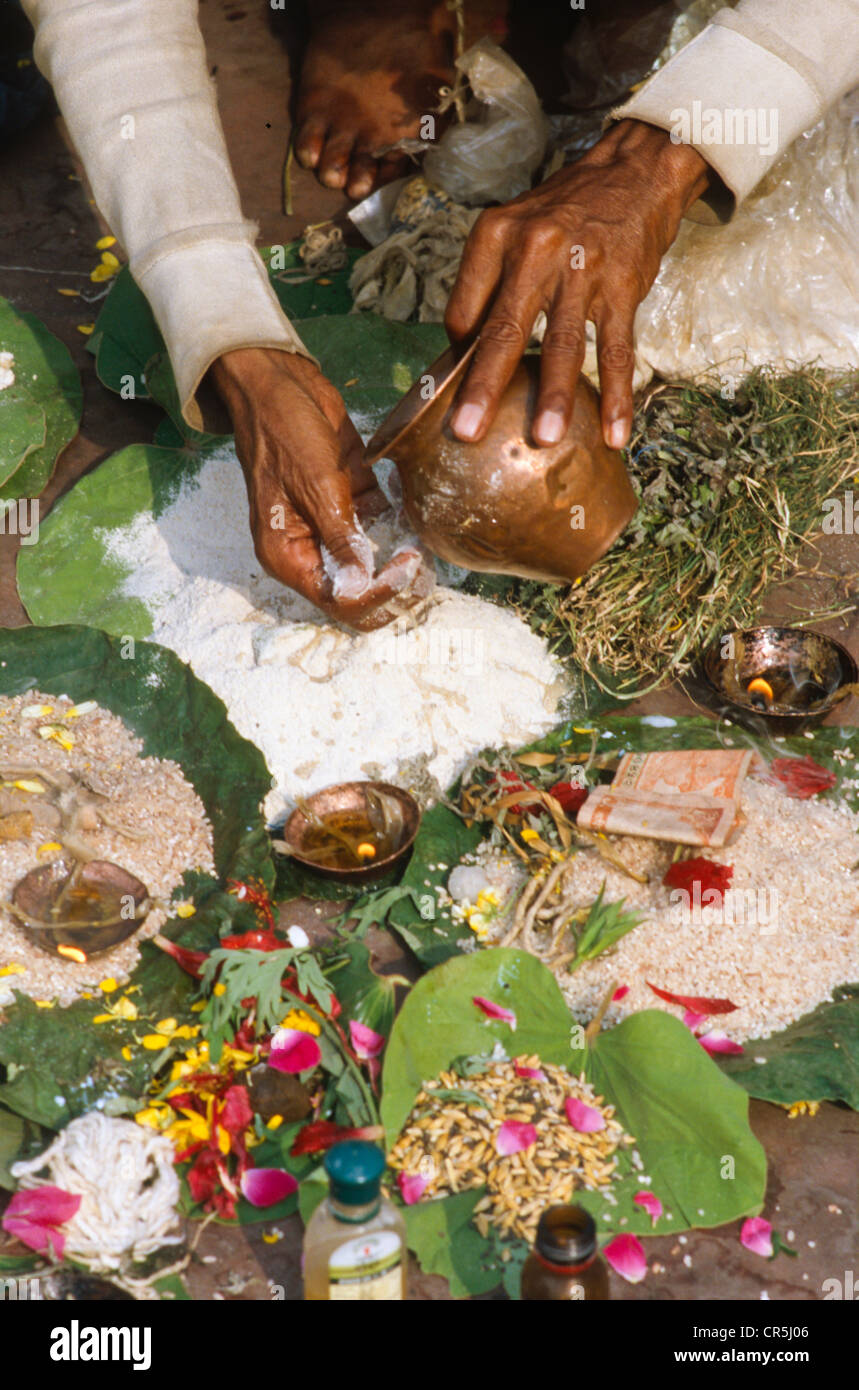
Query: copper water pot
x,y
504,504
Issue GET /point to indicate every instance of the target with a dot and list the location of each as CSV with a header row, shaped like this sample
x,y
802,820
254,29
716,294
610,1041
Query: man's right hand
x,y
306,478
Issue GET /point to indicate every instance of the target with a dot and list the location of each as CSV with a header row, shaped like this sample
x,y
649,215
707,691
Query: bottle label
x,y
368,1267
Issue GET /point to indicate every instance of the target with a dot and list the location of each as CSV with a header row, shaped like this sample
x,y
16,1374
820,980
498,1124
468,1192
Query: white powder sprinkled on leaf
x,y
325,704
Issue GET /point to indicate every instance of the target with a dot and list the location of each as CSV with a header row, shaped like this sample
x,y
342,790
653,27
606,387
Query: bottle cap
x,y
354,1171
566,1235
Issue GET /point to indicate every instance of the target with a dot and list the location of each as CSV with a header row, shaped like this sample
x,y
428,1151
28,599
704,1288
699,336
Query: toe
x,y
310,140
362,175
333,167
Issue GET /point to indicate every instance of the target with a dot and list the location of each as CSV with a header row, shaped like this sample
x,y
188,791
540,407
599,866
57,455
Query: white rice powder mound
x,y
325,704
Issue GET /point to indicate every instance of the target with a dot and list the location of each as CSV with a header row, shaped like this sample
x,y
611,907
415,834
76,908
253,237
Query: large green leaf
x,y
442,841
69,575
816,1058
442,1236
58,1063
40,413
690,1122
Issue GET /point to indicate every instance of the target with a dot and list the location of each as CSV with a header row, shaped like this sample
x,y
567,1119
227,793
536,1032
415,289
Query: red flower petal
x,y
322,1134
254,941
620,993
756,1236
236,1113
651,1204
694,1021
514,1136
696,1002
366,1042
508,782
262,1187
625,1254
719,1042
584,1118
801,777
411,1187
699,876
189,960
293,1051
34,1215
530,1073
495,1010
569,796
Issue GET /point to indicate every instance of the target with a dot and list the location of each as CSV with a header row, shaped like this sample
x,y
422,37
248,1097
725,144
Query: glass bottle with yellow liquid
x,y
355,1242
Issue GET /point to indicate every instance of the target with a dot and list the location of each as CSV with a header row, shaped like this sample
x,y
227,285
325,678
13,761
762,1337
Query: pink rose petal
x,y
411,1187
366,1042
620,993
294,1051
33,1216
584,1118
530,1073
651,1204
719,1042
264,1186
694,1021
495,1011
756,1236
625,1254
514,1136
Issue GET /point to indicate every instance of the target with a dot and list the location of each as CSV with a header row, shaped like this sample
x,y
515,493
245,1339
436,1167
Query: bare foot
x,y
370,72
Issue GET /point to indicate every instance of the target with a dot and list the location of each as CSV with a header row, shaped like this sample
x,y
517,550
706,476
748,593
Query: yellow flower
x,y
272,1237
802,1107
153,1042
191,1130
275,1122
126,1052
49,847
219,989
103,1018
108,986
154,1116
110,260
198,1007
85,328
185,1031
184,909
297,1018
223,1140
104,242
13,969
528,835
123,1008
167,1026
44,1003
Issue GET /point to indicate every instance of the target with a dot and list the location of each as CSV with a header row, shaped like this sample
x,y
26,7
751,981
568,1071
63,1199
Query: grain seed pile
x,y
785,936
456,1142
72,778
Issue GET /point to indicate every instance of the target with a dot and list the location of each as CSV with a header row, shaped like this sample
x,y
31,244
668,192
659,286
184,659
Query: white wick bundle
x,y
129,1188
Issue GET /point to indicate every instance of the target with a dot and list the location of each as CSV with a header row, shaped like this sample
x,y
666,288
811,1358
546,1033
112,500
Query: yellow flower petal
x,y
125,1009
298,1019
223,1141
86,707
105,241
153,1041
23,785
272,1237
219,989
49,847
13,969
198,1007
184,909
85,328
275,1122
69,293
109,260
101,272
44,1003
126,1052
103,1018
108,986
151,1116
167,1026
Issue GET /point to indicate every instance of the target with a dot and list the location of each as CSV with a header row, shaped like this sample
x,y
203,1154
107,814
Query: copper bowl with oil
x,y
353,831
777,680
506,505
78,910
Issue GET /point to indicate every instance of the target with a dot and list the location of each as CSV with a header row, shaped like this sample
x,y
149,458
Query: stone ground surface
x,y
48,227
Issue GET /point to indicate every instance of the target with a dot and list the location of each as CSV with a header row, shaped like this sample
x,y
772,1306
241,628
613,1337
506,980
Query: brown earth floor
x,y
48,227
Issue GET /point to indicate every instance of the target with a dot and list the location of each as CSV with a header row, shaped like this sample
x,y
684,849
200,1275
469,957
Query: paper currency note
x,y
690,797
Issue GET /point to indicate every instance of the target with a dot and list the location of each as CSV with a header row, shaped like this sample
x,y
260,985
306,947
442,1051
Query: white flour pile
x,y
324,704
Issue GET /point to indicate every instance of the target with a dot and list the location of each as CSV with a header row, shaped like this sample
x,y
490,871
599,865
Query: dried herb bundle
x,y
729,490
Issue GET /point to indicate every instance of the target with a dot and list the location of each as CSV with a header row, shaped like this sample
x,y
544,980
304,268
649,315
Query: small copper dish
x,y
376,815
506,505
78,910
778,680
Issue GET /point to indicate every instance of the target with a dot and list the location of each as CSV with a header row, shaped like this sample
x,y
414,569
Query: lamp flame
x,y
72,953
761,688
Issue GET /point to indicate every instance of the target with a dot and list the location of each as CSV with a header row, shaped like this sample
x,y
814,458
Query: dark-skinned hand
x,y
584,245
308,484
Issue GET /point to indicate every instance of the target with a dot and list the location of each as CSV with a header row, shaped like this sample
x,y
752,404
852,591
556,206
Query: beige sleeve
x,y
132,82
750,83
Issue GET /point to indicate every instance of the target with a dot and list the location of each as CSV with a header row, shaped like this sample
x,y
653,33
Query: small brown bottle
x,y
564,1265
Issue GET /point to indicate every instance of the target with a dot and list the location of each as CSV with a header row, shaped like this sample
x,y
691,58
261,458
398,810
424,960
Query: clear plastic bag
x,y
492,156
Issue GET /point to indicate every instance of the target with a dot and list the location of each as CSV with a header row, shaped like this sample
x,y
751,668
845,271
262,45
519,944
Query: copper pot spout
x,y
506,505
